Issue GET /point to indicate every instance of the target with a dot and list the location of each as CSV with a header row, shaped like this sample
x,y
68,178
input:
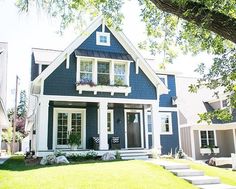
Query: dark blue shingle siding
x,y
166,99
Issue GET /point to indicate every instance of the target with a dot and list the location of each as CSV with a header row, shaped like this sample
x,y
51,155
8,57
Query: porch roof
x,y
101,54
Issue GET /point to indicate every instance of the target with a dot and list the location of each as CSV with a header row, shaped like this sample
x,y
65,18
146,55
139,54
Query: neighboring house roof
x,y
136,56
45,56
190,104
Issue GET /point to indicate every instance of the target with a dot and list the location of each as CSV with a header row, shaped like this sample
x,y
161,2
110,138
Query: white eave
x,y
162,89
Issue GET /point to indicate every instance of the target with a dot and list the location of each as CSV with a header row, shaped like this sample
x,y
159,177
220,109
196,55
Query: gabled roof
x,y
140,61
45,56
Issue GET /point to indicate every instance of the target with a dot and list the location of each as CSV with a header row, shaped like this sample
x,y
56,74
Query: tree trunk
x,y
219,23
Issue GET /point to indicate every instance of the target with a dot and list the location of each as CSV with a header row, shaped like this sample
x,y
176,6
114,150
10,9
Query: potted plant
x,y
74,140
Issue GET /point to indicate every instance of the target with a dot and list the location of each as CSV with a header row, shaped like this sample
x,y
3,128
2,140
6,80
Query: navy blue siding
x,y
165,99
90,43
50,126
171,142
119,125
62,80
91,125
34,68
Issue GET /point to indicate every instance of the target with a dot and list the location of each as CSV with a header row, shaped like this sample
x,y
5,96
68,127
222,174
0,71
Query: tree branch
x,y
197,13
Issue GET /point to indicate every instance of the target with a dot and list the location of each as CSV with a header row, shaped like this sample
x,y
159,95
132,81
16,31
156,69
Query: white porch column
x,y
156,128
103,137
234,137
42,127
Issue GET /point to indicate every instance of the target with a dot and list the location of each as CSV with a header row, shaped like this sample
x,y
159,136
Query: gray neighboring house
x,y
3,88
197,137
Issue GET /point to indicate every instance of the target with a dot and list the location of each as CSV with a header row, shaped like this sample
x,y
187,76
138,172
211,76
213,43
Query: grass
x,y
116,175
226,176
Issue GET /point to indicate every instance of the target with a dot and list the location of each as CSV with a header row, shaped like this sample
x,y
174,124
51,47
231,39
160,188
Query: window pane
x,y
211,142
119,79
211,134
149,119
103,39
119,69
103,79
165,125
86,77
203,134
203,143
103,67
86,66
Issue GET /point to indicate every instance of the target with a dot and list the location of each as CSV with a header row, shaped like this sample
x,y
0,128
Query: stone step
x,y
144,157
200,180
216,186
132,151
187,172
133,154
175,166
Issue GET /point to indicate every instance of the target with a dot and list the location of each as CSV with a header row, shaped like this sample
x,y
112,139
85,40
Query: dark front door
x,y
133,130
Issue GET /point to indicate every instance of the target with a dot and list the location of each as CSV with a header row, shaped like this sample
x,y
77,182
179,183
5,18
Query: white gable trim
x,y
124,42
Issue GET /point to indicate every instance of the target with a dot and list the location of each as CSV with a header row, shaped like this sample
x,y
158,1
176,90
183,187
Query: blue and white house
x,y
100,86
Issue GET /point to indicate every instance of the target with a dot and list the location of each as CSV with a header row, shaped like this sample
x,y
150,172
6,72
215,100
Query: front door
x,y
134,129
68,121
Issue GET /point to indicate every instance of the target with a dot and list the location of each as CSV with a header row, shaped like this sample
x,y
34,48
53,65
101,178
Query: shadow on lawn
x,y
16,163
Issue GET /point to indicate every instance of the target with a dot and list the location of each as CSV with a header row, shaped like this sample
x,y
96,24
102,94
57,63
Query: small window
x,y
103,73
207,138
163,78
103,38
225,103
110,125
119,74
86,73
166,123
149,122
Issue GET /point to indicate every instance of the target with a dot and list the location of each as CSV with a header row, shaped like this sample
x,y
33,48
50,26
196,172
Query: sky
x,y
23,31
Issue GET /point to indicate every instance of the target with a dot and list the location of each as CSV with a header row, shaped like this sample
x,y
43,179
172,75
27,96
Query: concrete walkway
x,y
194,177
3,159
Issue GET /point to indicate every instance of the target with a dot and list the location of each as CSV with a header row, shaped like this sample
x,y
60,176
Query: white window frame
x,y
105,34
112,122
126,82
86,72
199,133
169,114
165,79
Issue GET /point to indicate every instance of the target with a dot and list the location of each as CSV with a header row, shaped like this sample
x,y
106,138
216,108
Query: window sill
x,y
103,88
167,133
208,151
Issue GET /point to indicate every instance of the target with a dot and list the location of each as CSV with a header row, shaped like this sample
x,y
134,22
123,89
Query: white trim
x,y
112,121
149,114
83,125
104,88
67,61
168,109
165,79
40,68
146,113
137,66
104,34
124,42
192,143
169,114
178,122
100,99
234,137
199,135
141,126
103,136
104,59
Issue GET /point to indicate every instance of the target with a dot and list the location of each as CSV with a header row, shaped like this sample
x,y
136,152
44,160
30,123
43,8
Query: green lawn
x,y
110,175
226,176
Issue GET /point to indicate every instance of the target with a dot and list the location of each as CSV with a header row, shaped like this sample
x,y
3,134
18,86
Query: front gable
x,y
67,70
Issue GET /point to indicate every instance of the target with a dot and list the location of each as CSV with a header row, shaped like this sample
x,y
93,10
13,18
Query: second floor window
x,y
86,71
119,74
103,73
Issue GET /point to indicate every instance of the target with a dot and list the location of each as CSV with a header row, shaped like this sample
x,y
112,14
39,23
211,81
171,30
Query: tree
x,y
190,25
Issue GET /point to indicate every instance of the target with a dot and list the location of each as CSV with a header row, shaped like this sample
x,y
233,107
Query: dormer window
x,y
103,38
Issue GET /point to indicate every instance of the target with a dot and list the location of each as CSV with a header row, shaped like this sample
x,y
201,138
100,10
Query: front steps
x,y
133,154
194,177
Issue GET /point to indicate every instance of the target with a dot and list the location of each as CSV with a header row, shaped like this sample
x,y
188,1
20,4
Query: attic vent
x,y
103,38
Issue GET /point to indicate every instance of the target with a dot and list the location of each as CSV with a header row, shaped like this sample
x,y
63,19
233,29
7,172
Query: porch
x,y
124,119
